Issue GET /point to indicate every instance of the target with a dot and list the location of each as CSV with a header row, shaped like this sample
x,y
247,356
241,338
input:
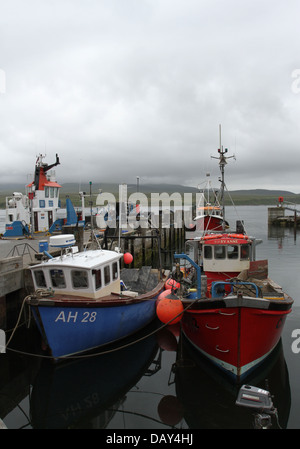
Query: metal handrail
x,y
215,284
25,246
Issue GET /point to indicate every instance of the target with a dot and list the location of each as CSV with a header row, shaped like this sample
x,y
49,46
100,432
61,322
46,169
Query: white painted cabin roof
x,y
85,259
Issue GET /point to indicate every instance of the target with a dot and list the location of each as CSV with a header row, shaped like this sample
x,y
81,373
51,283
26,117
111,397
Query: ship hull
x,y
239,338
71,327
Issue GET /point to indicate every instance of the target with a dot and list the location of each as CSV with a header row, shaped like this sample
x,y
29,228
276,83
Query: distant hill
x,y
114,188
239,197
264,192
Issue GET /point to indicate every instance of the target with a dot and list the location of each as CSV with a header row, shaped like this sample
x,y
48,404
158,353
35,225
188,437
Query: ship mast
x,y
222,162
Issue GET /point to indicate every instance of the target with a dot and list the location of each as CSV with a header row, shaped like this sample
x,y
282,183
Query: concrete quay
x,y
277,216
15,258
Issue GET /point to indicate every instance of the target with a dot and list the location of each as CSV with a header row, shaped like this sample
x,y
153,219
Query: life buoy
x,y
225,236
238,236
213,236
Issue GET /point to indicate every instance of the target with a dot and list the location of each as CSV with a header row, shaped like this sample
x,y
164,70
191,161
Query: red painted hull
x,y
237,339
209,223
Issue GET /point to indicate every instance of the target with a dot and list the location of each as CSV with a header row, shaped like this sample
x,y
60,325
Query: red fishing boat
x,y
233,312
209,214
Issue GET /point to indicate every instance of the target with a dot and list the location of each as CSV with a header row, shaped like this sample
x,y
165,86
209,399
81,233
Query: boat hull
x,y
209,223
69,328
238,338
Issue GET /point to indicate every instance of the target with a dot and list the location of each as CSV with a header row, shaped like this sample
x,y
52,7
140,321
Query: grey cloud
x,y
138,88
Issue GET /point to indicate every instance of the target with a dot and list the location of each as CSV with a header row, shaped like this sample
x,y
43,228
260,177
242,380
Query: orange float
x,y
128,258
169,309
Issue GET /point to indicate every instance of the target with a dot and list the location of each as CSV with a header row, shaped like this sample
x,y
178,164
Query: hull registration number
x,y
74,317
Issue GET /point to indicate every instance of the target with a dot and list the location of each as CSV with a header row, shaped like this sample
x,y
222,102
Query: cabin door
x,y
50,218
36,222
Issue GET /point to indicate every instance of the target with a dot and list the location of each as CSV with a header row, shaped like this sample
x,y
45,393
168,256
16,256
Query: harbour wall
x,y
277,216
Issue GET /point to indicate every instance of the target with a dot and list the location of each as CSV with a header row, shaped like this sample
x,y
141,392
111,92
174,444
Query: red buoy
x,y
128,258
169,309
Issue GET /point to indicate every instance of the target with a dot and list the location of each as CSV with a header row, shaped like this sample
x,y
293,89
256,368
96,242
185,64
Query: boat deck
x,y
113,299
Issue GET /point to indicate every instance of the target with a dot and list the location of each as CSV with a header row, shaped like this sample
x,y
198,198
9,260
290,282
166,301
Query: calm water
x,y
142,386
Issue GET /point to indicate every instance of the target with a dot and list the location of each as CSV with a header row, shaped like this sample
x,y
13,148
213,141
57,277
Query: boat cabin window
x,y
220,252
110,273
79,279
245,252
106,275
40,278
51,192
57,278
227,251
232,251
207,252
98,279
115,271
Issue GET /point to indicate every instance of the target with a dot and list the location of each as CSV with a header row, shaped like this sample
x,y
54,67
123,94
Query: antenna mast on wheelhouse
x,y
222,163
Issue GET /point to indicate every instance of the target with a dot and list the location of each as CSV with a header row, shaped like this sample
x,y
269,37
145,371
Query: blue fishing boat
x,y
82,301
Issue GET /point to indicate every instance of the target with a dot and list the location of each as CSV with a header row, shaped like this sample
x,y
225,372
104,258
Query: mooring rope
x,y
85,356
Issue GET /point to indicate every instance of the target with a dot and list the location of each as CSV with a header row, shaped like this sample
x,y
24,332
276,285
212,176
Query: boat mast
x,y
222,163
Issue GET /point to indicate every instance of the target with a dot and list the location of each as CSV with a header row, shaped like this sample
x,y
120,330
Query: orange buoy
x,y
163,295
169,309
171,283
128,258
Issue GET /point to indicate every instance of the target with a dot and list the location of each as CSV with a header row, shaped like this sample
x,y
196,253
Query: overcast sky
x,y
127,88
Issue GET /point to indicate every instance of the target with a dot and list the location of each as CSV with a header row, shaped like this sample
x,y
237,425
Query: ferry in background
x,y
36,210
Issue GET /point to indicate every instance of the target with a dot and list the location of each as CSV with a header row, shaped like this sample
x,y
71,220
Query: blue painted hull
x,y
69,330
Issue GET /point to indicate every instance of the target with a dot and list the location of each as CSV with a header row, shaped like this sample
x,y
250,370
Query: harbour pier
x,y
277,214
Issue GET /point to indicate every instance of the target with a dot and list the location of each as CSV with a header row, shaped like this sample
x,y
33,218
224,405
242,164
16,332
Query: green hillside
x,y
239,197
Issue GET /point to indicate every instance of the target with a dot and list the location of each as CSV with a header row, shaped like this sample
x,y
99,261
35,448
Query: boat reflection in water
x,y
90,389
208,398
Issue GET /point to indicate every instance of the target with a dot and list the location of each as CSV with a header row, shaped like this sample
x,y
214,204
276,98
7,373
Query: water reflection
x,y
94,392
282,232
86,393
17,373
208,398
